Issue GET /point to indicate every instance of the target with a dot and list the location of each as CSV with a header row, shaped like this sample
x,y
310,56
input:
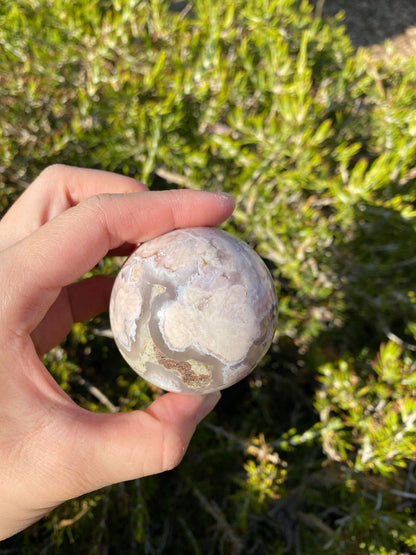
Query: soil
x,y
370,23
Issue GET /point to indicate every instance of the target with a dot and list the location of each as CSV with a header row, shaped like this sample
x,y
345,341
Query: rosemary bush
x,y
314,452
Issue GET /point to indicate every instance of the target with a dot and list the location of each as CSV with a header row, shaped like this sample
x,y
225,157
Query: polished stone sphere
x,y
193,310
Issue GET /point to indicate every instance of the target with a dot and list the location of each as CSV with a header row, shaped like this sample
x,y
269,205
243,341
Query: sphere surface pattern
x,y
193,310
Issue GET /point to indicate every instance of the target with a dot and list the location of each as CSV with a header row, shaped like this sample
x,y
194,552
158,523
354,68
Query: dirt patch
x,y
369,23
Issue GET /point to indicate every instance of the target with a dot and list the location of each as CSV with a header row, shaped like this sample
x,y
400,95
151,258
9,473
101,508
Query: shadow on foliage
x,y
375,266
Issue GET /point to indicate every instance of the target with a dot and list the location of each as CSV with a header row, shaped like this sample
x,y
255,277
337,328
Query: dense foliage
x,y
314,453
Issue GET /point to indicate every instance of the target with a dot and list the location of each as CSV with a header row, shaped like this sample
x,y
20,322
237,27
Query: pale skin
x,y
52,450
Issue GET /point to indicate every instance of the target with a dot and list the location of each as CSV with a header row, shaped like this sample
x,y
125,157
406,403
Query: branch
x,y
173,177
95,392
212,508
69,521
393,337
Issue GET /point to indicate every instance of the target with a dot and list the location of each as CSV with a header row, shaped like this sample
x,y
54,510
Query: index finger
x,y
35,269
56,189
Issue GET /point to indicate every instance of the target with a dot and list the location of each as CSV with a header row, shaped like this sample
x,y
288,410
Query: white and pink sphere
x,y
194,310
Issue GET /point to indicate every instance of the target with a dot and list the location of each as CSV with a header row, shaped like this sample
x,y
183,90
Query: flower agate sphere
x,y
193,310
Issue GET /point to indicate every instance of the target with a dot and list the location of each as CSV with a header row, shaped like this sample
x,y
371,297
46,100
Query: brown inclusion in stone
x,y
188,375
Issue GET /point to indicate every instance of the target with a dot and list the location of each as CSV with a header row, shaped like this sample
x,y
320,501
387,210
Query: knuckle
x,y
97,203
54,171
96,207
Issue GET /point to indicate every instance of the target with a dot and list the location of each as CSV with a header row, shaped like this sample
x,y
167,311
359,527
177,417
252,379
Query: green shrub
x,y
314,453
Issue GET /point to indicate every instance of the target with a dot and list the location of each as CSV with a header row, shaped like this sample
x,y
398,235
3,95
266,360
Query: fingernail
x,y
207,405
226,196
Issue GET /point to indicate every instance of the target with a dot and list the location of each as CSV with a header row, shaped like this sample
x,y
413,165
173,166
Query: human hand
x,y
51,450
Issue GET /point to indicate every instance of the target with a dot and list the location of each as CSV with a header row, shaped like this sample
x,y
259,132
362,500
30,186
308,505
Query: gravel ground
x,y
370,23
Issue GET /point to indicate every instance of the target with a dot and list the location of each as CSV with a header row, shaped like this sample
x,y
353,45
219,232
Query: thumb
x,y
125,446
